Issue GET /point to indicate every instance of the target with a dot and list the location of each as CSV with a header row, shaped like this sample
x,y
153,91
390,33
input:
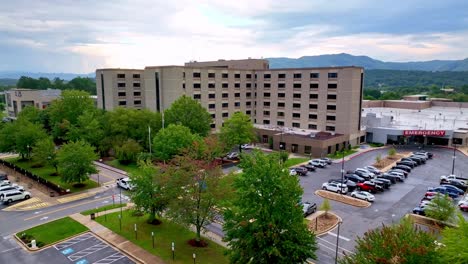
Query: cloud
x,y
80,36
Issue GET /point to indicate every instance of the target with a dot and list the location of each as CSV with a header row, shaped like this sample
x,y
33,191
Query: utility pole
x,y
149,139
342,172
453,158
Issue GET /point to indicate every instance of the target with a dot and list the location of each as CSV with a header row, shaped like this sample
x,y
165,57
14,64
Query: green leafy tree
x,y
189,113
128,151
396,244
75,161
7,137
199,176
325,207
237,130
26,136
265,223
150,193
89,127
83,84
284,156
441,208
454,241
44,151
171,141
31,114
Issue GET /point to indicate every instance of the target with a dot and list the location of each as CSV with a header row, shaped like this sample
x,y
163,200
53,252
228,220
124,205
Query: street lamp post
x,y
342,172
453,158
337,238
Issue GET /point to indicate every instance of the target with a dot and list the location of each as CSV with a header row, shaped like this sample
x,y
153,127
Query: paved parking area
x,y
85,249
389,206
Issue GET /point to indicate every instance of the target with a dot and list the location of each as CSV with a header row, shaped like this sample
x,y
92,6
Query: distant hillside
x,y
395,78
36,75
7,81
368,63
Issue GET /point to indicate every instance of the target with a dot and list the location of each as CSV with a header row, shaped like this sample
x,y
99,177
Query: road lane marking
x,y
87,251
342,248
341,237
110,259
65,208
7,250
331,249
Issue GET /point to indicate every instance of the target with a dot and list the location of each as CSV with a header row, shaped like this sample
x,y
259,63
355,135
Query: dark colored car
x,y
3,176
364,186
402,167
417,161
444,190
392,179
419,211
429,154
373,170
309,167
301,171
405,173
350,184
397,177
453,189
362,175
410,164
308,208
353,177
382,182
457,184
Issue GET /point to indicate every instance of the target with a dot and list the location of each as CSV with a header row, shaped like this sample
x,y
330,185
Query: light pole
x,y
337,238
149,139
454,157
342,173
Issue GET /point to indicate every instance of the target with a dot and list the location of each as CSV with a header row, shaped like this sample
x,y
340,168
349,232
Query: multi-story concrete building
x,y
17,99
305,100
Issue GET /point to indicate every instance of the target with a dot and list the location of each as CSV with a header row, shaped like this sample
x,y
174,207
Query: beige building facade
x,y
303,99
18,99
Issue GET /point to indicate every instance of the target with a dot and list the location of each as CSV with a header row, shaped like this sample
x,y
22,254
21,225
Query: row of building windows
x,y
122,75
136,103
120,94
298,125
123,85
313,75
298,115
265,85
297,105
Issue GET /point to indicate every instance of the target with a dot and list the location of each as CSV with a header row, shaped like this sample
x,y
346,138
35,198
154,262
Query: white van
x,y
11,196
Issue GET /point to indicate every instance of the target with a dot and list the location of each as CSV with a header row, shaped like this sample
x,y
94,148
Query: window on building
x,y
137,102
237,75
248,85
136,84
297,125
183,85
314,85
225,95
266,113
267,76
266,85
237,104
296,105
331,107
330,128
122,103
314,75
120,84
211,75
281,95
211,96
237,85
211,85
331,118
332,75
280,123
120,75
225,75
312,126
248,103
248,95
266,94
211,106
213,116
183,75
237,95
312,106
196,85
281,75
297,95
280,114
266,103
121,94
307,149
224,105
297,85
312,116
225,114
248,112
225,85
281,104
331,96
213,125
296,115
196,75
136,93
281,85
313,96
197,96
332,86
266,122
297,75
248,76
136,76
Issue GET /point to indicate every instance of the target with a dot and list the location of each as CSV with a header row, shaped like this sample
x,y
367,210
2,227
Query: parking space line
x,y
87,251
73,241
110,259
331,249
341,237
342,248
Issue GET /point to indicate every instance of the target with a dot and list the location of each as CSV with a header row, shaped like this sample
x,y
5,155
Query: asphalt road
x,y
389,206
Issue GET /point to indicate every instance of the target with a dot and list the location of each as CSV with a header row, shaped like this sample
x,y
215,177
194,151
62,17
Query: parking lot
x,y
388,207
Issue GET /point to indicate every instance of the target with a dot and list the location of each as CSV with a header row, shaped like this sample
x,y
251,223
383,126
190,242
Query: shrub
x,y
284,156
325,207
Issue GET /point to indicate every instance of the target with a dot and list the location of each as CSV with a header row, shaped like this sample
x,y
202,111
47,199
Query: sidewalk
x,y
135,252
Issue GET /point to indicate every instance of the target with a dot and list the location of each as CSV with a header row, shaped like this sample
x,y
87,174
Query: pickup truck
x,y
446,179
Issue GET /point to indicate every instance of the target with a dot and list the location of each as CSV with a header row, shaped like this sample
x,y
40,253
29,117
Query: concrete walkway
x,y
132,250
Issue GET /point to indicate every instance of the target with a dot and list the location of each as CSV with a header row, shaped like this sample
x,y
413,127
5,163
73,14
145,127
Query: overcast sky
x,y
82,35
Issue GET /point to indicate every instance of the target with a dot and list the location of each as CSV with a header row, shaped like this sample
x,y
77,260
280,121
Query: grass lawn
x,y
54,231
103,208
294,161
164,235
339,154
130,168
45,173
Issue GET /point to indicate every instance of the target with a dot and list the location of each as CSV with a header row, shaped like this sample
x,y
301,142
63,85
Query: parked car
x,y
326,160
379,187
373,170
421,160
405,173
247,146
453,189
428,154
335,187
309,167
363,195
392,179
399,177
432,195
317,163
350,184
11,188
410,164
11,196
384,183
455,183
353,177
365,186
415,161
125,183
463,206
301,171
419,211
233,155
308,208
444,190
292,172
402,167
445,179
364,173
3,176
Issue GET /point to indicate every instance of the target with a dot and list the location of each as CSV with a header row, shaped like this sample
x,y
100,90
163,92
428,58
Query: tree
x,y
237,130
454,241
150,194
325,207
31,114
88,127
26,136
394,244
197,173
44,151
391,152
128,151
265,223
83,84
190,113
378,158
75,161
441,208
171,141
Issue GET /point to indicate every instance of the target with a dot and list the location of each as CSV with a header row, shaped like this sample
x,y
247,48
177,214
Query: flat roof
x,y
235,69
298,131
433,118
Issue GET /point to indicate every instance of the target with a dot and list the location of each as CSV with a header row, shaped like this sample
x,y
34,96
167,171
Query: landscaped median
x,y
342,198
51,232
164,234
103,208
321,222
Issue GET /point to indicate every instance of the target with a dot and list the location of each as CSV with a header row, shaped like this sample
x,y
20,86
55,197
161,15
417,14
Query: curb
x,y
332,227
50,245
368,204
111,168
447,147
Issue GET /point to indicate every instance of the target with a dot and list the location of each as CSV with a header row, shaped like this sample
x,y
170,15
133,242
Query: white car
x,y
317,163
11,188
11,196
125,183
247,146
335,187
363,195
232,155
292,172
